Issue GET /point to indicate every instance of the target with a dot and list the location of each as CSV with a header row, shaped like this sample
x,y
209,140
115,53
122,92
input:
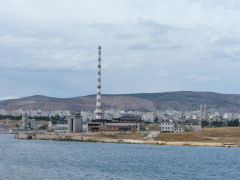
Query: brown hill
x,y
86,103
181,100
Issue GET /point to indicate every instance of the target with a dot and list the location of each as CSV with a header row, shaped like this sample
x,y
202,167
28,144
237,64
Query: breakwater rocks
x,y
84,137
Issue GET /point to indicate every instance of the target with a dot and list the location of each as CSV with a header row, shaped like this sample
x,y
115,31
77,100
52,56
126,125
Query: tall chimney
x,y
99,114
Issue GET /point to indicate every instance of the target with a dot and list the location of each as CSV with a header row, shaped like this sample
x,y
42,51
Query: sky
x,y
50,47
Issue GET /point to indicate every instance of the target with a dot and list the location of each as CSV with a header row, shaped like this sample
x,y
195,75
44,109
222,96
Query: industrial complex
x,y
123,123
110,121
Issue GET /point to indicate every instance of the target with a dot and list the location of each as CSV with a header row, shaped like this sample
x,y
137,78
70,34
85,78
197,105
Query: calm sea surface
x,y
29,159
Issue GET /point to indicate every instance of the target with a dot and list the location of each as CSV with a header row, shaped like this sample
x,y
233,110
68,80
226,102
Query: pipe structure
x,y
98,111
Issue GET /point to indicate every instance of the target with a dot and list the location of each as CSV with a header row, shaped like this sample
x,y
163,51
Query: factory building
x,y
28,123
180,126
124,123
191,125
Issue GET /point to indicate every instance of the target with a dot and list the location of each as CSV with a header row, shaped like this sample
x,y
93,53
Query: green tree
x,y
233,123
156,120
205,123
217,123
54,121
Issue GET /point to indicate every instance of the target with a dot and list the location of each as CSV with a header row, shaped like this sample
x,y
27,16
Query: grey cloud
x,y
151,46
203,78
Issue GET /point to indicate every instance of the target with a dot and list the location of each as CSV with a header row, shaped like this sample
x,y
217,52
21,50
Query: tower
x,y
24,121
201,109
75,123
98,111
205,111
70,123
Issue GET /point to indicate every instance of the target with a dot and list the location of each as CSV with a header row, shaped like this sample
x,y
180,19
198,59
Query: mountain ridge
x,y
176,100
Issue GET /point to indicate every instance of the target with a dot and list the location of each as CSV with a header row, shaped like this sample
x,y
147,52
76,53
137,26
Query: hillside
x,y
181,100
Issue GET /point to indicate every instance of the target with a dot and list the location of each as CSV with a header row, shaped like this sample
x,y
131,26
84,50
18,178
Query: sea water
x,y
32,159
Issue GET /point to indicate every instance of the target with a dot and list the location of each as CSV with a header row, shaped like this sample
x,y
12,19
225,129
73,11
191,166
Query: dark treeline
x,y
54,119
220,123
43,118
10,117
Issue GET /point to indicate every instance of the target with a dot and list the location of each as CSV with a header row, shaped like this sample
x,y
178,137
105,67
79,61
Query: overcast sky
x,y
49,47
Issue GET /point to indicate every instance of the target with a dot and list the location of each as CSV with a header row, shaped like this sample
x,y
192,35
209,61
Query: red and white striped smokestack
x,y
99,113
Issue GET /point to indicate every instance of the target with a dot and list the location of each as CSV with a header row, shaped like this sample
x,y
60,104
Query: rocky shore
x,y
85,137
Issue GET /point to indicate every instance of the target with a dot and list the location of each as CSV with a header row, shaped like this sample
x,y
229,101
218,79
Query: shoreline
x,y
82,137
6,133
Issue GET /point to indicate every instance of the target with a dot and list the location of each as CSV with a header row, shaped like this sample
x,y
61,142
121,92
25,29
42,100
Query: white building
x,y
167,126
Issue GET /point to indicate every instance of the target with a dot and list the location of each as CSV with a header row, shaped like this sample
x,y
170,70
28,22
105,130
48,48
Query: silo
x,y
77,123
70,124
24,121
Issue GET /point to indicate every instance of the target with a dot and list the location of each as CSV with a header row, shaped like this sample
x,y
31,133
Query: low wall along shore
x,y
91,137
